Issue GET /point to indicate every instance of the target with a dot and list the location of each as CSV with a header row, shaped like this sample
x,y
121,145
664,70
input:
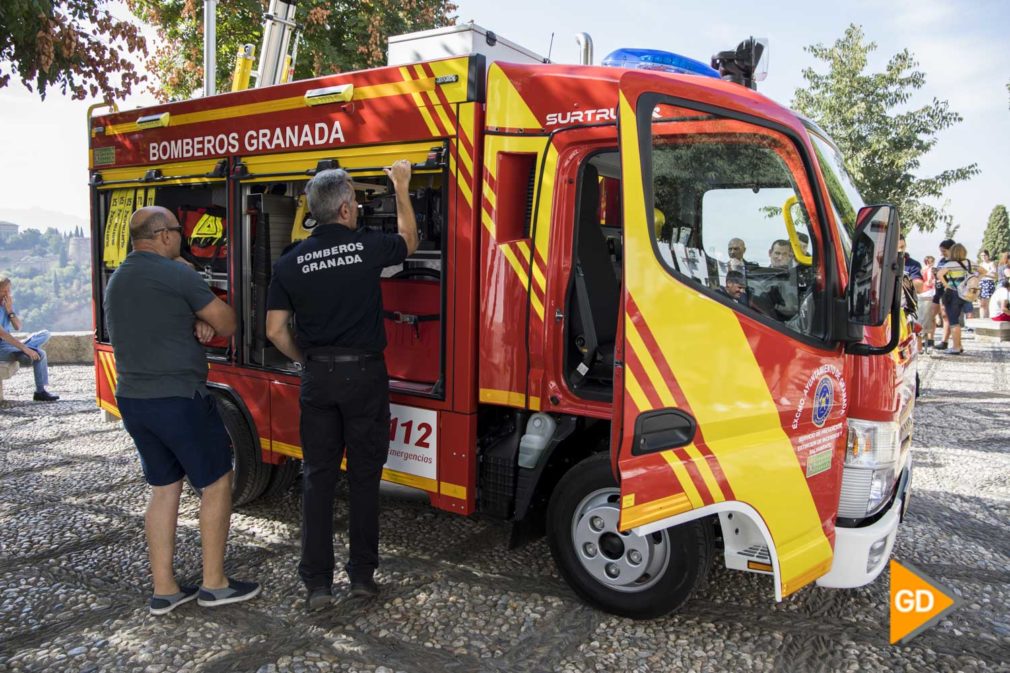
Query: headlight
x,y
871,466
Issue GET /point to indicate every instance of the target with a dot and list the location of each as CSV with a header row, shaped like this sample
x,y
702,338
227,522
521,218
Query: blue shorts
x,y
954,306
178,437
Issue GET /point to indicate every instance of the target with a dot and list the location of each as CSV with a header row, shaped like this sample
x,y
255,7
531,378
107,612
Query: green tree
x,y
996,238
336,35
883,140
76,45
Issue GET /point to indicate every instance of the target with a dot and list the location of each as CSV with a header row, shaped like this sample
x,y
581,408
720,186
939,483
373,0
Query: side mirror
x,y
873,268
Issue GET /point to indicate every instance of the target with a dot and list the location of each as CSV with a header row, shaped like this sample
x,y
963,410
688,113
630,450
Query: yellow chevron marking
x,y
508,110
648,364
435,104
492,199
538,276
634,389
485,218
684,478
114,410
546,201
707,475
428,121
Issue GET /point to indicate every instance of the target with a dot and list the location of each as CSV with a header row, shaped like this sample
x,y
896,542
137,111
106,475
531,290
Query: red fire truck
x,y
574,347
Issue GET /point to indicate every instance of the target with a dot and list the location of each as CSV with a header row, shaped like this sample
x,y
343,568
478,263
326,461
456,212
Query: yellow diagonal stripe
x,y
706,472
538,276
648,364
428,121
684,478
634,389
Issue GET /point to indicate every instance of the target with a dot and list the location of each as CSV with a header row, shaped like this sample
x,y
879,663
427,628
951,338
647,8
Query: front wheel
x,y
635,576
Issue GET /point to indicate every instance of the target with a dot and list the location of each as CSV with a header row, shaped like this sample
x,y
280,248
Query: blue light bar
x,y
654,59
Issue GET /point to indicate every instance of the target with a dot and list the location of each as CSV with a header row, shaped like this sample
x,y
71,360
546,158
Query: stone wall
x,y
69,348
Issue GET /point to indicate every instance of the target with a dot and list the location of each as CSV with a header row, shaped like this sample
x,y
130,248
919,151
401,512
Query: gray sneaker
x,y
235,592
162,605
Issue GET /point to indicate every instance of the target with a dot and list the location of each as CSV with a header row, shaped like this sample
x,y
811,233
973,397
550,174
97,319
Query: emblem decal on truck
x,y
824,397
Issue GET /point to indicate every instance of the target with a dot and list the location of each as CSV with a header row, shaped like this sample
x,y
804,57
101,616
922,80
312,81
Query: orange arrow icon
x,y
917,601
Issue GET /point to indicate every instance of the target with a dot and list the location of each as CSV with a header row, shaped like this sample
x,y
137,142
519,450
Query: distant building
x,y
8,230
79,250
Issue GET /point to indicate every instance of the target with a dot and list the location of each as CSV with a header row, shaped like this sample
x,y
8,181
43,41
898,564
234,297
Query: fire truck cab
x,y
649,315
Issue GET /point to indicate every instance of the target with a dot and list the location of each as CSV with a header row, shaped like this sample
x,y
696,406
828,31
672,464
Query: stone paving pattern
x,y
74,576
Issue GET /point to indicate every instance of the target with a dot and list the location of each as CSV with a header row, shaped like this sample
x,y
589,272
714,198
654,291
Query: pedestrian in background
x,y
159,312
951,273
27,352
987,282
945,246
927,309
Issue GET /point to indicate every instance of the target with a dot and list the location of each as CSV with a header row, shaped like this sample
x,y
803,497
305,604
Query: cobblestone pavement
x,y
74,578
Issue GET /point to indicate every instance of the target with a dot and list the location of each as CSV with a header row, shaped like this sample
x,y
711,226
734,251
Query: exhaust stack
x,y
585,48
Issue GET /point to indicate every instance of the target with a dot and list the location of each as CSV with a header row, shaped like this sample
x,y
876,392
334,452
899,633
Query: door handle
x,y
663,429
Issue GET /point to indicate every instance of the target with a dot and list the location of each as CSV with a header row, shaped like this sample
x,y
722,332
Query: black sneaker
x,y
364,588
235,592
45,396
942,346
162,605
318,599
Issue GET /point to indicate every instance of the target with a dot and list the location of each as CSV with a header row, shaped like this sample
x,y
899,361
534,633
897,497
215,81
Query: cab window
x,y
735,221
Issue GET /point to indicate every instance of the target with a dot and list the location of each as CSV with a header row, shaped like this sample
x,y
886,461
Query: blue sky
x,y
960,46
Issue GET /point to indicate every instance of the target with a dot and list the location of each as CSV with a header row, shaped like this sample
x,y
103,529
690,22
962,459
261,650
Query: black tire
x,y
281,478
251,473
678,558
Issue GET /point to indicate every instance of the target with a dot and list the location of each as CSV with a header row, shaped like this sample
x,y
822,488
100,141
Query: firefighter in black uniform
x,y
330,282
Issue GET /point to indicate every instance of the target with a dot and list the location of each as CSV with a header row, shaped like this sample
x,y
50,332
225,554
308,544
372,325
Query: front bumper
x,y
851,566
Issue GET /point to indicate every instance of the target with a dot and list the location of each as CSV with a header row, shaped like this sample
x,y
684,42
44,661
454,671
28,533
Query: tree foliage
x,y
883,141
336,36
996,238
77,45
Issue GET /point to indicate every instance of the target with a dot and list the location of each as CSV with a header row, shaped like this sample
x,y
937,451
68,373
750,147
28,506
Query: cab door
x,y
728,395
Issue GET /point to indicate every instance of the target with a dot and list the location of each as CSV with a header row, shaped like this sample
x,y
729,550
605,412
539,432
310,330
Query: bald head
x,y
146,221
156,229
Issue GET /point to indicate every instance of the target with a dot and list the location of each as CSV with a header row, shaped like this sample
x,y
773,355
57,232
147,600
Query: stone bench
x,y
989,329
8,368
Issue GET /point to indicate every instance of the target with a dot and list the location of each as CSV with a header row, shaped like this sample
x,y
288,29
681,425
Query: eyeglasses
x,y
157,231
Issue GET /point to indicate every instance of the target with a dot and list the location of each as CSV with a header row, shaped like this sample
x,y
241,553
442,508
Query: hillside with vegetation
x,y
50,276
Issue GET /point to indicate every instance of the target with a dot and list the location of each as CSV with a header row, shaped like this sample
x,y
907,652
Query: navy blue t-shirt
x,y
331,283
913,269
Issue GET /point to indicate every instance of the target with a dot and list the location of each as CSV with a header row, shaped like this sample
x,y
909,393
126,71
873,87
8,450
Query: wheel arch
x,y
720,508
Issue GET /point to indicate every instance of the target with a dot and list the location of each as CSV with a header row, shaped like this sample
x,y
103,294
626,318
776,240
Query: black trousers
x,y
342,404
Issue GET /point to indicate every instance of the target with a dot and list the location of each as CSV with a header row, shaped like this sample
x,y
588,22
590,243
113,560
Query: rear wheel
x,y
635,576
251,473
281,478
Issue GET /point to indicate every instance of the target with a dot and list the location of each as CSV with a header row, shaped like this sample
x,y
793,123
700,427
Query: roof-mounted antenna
x,y
550,47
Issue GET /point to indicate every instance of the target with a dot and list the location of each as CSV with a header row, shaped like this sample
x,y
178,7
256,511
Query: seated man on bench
x,y
27,352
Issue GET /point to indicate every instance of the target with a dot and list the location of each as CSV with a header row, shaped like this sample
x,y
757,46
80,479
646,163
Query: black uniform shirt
x,y
331,282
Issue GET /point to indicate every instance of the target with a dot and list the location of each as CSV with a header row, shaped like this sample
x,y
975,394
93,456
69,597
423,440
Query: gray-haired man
x,y
330,282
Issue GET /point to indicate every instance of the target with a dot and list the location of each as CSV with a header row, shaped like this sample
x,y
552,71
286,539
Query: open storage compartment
x,y
271,193
196,192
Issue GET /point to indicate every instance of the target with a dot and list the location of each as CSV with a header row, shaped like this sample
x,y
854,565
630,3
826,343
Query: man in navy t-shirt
x,y
330,283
